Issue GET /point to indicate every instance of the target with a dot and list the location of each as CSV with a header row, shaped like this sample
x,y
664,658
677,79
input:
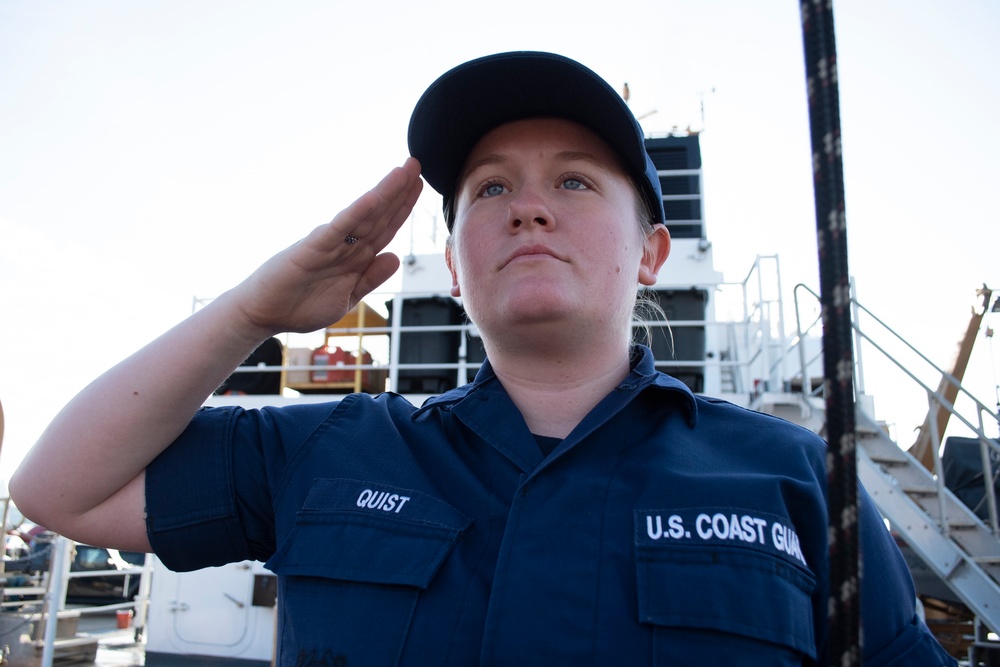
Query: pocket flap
x,y
725,585
367,532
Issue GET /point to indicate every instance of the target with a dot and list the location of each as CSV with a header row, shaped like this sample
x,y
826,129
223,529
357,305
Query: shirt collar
x,y
643,376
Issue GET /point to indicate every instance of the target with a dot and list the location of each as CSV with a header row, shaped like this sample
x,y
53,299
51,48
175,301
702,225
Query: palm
x,y
316,281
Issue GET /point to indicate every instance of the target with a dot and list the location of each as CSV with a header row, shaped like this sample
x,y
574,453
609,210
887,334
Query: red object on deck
x,y
324,356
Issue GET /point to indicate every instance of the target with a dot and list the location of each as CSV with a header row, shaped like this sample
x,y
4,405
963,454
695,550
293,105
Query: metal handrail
x,y
52,596
935,398
753,348
751,352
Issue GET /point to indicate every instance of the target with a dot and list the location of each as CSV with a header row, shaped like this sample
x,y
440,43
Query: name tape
x,y
726,527
382,500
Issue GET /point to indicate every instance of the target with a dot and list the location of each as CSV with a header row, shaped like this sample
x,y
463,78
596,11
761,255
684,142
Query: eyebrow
x,y
486,160
577,156
562,156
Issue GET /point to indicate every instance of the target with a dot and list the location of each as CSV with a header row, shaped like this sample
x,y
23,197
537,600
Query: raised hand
x,y
96,450
317,280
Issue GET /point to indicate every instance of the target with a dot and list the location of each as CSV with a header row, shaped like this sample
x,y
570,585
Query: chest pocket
x,y
724,602
352,568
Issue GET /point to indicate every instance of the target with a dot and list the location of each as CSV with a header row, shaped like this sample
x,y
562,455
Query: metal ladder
x,y
953,542
962,550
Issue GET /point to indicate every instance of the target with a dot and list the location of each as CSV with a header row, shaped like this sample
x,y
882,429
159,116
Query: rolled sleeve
x,y
191,506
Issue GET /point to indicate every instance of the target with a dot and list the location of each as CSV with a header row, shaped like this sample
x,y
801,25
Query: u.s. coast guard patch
x,y
722,526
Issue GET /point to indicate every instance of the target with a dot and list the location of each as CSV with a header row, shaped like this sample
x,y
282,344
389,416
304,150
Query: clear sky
x,y
152,152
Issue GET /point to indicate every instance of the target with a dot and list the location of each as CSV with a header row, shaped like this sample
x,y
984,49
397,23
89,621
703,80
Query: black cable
x,y
844,646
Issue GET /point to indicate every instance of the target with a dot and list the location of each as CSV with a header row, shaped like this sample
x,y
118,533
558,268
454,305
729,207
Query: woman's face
x,y
546,231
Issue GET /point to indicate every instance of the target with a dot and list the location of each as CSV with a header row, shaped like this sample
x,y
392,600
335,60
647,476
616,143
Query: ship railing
x,y
751,310
744,324
758,345
738,363
39,603
921,377
811,387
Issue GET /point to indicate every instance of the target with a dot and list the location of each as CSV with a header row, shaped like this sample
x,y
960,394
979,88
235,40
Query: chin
x,y
541,309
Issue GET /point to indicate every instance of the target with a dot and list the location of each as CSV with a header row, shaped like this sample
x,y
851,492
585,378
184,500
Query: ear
x,y
455,291
658,249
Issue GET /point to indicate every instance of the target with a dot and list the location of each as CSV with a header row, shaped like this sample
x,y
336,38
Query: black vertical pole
x,y
844,646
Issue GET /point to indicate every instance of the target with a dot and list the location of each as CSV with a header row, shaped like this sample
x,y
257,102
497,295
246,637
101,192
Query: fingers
x,y
375,217
380,270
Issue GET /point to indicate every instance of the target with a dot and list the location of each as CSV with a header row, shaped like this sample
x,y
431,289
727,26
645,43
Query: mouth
x,y
528,252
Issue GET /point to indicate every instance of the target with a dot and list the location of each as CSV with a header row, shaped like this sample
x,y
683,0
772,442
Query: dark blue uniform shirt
x,y
665,529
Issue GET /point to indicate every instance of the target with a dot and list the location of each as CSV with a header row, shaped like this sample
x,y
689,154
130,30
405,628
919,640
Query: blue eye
x,y
493,190
574,184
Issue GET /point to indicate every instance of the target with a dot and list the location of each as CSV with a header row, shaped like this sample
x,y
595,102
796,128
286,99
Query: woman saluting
x,y
571,505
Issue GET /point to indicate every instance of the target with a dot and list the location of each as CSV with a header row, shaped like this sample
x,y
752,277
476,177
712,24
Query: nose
x,y
529,208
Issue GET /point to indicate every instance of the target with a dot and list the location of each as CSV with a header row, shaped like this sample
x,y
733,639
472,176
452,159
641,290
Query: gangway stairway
x,y
953,542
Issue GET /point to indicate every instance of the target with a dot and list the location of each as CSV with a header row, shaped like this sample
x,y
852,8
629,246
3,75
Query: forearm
x,y
76,479
84,478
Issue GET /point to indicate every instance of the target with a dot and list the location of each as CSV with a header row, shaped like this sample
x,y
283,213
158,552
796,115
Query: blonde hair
x,y
646,306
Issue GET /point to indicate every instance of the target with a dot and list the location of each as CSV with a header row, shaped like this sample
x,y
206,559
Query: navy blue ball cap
x,y
470,100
